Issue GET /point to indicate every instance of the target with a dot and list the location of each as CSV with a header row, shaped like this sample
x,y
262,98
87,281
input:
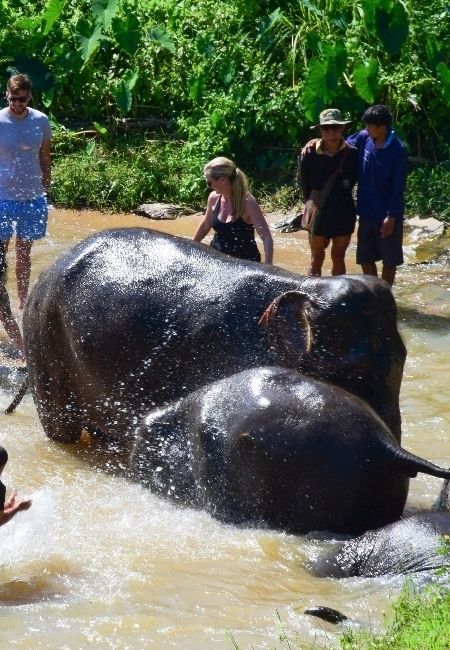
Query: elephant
x,y
269,446
410,545
131,319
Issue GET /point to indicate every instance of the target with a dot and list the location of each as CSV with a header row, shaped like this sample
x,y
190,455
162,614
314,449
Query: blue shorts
x,y
28,217
372,247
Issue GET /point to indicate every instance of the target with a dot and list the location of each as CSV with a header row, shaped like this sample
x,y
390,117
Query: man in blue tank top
x,y
25,161
380,198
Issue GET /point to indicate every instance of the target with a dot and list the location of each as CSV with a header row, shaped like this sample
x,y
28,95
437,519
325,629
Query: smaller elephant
x,y
270,446
409,545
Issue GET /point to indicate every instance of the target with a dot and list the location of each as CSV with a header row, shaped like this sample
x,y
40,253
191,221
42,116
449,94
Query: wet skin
x,y
131,319
270,446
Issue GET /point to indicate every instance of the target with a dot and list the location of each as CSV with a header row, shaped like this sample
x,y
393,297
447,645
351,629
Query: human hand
x,y
24,505
387,227
309,145
11,502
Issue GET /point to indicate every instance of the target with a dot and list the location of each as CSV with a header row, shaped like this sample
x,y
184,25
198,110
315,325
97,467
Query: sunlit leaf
x,y
104,11
53,11
196,87
89,38
163,38
47,97
365,76
312,7
100,129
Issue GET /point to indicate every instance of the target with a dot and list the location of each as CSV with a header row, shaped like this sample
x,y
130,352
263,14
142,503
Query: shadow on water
x,y
417,319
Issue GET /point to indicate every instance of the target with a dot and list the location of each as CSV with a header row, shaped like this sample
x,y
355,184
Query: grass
x,y
418,621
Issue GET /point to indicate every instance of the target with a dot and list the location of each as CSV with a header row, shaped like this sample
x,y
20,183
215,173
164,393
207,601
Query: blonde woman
x,y
233,213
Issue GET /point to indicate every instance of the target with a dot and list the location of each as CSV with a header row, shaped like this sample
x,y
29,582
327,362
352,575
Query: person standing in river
x,y
234,214
25,175
381,188
328,173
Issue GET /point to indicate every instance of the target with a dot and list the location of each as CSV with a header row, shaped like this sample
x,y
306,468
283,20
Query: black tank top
x,y
235,238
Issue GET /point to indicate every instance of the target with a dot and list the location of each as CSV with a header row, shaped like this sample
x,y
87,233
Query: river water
x,y
100,562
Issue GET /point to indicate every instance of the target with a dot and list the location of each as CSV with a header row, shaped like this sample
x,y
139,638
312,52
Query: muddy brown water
x,y
101,562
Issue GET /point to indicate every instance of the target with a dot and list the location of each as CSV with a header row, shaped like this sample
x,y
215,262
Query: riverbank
x,y
120,175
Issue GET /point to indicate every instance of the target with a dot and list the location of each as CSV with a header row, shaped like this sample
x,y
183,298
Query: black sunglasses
x,y
22,99
330,127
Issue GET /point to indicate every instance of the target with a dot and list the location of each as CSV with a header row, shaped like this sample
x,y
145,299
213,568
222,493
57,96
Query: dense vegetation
x,y
245,78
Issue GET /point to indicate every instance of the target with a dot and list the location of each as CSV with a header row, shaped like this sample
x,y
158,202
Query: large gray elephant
x,y
270,446
410,545
131,318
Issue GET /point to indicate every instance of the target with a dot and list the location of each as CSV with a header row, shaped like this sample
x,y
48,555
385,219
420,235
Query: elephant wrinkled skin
x,y
130,319
270,446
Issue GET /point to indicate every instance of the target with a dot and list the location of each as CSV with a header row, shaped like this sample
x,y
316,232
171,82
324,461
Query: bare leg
x,y
388,274
10,325
23,269
370,269
317,244
339,246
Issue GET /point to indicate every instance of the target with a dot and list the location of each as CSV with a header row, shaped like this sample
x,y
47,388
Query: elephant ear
x,y
287,321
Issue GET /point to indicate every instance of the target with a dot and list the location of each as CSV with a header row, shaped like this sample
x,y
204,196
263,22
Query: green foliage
x,y
420,621
427,191
241,78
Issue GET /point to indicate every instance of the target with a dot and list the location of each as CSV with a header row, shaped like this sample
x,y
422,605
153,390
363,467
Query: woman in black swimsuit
x,y
233,213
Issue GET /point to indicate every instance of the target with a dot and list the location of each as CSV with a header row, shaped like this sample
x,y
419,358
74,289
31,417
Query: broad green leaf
x,y
205,45
163,38
392,27
335,55
365,76
122,95
101,129
444,76
89,38
215,118
47,97
127,33
267,22
316,93
28,24
53,11
104,11
312,7
388,20
196,86
90,146
40,74
123,92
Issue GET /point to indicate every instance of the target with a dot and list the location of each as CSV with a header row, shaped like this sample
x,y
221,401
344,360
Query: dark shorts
x,y
373,248
28,218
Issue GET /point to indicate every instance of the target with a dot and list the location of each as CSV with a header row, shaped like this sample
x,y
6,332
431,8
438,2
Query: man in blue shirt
x,y
380,199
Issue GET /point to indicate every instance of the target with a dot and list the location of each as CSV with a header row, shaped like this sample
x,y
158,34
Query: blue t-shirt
x,y
20,143
381,176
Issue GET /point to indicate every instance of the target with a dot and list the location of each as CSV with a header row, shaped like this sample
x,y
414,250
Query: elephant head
x,y
348,338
